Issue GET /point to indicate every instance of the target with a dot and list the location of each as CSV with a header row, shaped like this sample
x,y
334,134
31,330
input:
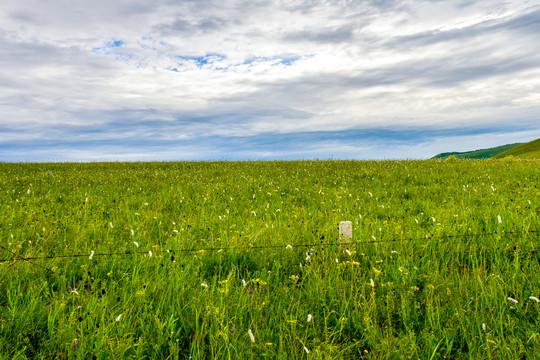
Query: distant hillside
x,y
530,150
479,154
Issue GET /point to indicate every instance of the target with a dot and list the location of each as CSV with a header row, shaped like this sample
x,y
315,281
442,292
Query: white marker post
x,y
345,232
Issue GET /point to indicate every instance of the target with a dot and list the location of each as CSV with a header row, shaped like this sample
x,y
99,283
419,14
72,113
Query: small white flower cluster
x,y
514,301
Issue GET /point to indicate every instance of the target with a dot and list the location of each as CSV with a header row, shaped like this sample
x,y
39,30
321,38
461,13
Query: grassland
x,y
477,154
443,264
530,150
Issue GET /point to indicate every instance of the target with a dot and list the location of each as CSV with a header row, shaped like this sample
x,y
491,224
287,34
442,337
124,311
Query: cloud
x,y
271,79
524,23
325,35
182,26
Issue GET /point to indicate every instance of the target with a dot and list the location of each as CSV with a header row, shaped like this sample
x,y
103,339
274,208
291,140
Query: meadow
x,y
243,260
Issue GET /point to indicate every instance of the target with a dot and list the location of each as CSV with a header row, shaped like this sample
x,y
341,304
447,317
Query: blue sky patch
x,y
200,61
108,45
277,59
114,44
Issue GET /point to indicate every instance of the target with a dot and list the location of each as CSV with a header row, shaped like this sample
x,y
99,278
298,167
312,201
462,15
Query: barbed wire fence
x,y
31,260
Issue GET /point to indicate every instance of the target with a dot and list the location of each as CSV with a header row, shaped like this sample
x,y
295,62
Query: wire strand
x,y
259,247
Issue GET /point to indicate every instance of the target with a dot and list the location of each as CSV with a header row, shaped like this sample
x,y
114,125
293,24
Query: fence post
x,y
345,232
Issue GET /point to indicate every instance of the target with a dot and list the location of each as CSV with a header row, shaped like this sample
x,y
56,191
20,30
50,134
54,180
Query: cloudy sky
x,y
138,80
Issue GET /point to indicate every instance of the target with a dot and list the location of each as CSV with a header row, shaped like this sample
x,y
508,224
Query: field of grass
x,y
443,263
530,150
478,154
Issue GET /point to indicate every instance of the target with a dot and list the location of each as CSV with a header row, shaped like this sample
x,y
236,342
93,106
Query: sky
x,y
137,80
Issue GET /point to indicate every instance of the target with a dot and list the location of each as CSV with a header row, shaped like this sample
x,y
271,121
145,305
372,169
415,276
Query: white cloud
x,y
178,71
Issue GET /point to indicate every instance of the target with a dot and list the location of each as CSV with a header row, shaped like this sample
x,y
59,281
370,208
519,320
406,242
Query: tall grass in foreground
x,y
431,297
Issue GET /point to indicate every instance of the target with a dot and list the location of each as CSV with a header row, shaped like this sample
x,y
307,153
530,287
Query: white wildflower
x,y
305,348
288,247
251,336
513,300
244,282
136,243
132,232
111,225
416,220
91,255
534,298
118,317
348,252
150,253
483,326
499,219
372,282
204,285
309,318
75,291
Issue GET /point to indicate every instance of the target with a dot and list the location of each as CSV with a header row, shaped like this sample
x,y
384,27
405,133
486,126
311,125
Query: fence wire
x,y
31,260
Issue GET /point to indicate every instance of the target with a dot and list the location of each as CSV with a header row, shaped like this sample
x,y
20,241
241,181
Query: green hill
x,y
530,150
478,154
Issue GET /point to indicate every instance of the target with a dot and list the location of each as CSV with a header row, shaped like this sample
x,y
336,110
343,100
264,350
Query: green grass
x,y
431,298
530,150
477,154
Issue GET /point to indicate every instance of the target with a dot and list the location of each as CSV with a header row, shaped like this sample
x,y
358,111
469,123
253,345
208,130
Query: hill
x,y
478,154
530,150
